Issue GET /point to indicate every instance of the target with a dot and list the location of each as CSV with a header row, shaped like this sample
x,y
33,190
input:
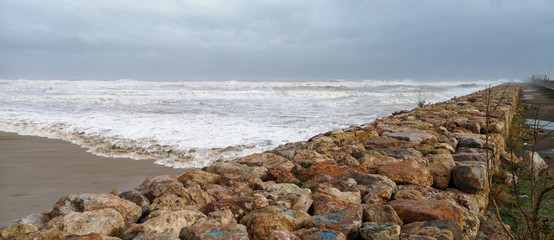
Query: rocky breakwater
x,y
418,174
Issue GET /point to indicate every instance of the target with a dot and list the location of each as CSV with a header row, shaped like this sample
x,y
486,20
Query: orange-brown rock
x,y
407,172
419,211
329,168
281,175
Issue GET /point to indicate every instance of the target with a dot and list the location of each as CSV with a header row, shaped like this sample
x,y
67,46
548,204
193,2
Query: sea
x,y
190,124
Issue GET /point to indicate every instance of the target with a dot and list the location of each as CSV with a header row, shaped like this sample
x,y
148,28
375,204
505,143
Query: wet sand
x,y
543,101
35,172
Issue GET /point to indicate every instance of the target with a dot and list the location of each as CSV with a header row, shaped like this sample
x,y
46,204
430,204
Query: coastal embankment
x,y
419,173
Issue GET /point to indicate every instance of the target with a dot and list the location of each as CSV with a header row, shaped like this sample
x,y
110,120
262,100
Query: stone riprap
x,y
415,174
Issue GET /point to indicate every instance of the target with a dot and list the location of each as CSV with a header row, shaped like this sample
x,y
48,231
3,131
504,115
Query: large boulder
x,y
348,196
348,221
416,211
439,229
157,186
306,158
138,199
238,206
380,213
533,165
470,177
261,223
281,175
440,166
215,231
199,176
89,202
407,172
166,222
104,221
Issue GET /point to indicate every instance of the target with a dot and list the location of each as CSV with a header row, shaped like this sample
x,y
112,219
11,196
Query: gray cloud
x,y
309,39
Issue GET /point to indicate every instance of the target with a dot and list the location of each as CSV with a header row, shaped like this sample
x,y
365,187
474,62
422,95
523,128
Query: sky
x,y
275,39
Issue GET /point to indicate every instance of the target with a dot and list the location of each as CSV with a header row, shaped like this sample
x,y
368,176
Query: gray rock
x,y
380,231
470,177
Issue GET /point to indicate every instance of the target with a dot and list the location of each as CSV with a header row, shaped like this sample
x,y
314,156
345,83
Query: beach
x,y
35,172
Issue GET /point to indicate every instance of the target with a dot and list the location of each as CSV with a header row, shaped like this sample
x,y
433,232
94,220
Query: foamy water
x,y
191,124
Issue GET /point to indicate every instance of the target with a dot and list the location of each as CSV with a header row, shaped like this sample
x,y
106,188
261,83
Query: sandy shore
x,y
35,172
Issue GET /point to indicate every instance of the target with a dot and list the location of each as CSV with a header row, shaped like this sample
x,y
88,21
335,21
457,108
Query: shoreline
x,y
36,171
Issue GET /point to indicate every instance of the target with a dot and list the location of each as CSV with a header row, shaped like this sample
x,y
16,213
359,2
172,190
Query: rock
x,y
477,200
319,234
17,230
138,199
471,224
399,153
416,211
374,188
36,219
380,213
509,158
380,231
167,222
306,158
274,191
493,230
323,203
281,175
155,236
321,144
533,165
470,177
348,221
384,142
283,235
97,236
169,202
90,202
407,172
221,192
156,186
198,198
260,201
301,202
238,206
378,194
199,176
472,143
44,234
416,138
470,157
221,217
440,166
106,221
473,127
236,179
266,160
439,229
208,231
351,197
329,168
261,223
445,146
289,150
232,167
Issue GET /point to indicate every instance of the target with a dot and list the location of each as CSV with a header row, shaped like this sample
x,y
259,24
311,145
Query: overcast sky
x,y
275,40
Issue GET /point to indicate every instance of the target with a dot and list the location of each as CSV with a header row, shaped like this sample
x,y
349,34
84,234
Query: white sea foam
x,y
191,124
